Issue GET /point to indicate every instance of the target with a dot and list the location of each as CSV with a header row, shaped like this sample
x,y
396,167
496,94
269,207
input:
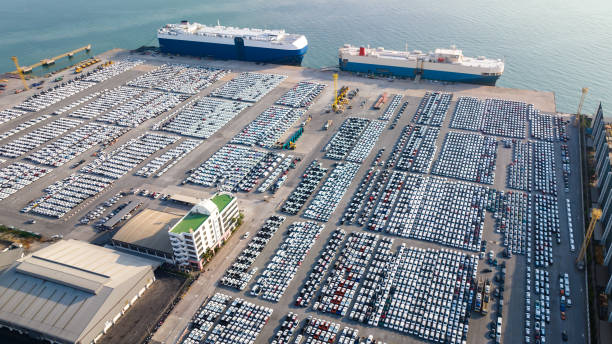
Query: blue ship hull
x,y
403,72
232,52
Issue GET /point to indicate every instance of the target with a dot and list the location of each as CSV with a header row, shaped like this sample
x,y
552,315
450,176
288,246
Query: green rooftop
x,y
221,201
191,221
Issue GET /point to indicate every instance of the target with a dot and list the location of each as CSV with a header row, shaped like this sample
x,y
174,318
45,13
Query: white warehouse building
x,y
71,291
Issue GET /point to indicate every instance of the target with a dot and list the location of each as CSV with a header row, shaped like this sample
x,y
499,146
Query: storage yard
x,y
444,216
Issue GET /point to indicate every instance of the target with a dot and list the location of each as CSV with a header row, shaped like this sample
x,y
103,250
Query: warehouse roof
x,y
65,289
148,229
184,199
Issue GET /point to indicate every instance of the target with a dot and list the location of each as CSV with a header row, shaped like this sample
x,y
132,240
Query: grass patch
x,y
190,221
221,201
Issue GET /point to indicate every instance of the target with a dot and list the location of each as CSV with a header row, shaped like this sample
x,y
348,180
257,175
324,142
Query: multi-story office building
x,y
207,225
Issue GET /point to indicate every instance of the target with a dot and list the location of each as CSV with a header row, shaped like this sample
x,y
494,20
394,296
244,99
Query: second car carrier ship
x,y
442,64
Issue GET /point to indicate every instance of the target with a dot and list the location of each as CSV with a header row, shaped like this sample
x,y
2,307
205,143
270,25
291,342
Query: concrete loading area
x,y
433,172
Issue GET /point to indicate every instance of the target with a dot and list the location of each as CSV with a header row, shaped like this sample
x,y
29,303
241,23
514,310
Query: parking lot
x,y
329,198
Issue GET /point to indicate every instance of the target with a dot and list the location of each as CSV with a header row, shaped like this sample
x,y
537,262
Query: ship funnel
x,y
361,51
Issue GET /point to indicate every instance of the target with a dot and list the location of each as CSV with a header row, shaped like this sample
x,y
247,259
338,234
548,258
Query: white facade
x,y
190,246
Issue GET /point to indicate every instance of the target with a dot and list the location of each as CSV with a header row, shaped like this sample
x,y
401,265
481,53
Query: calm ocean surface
x,y
552,45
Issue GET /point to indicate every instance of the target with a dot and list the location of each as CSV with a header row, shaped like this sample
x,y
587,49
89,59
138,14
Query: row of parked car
x,y
226,167
468,114
520,170
79,101
38,137
512,215
427,293
340,287
398,116
318,331
311,178
143,107
202,118
286,330
205,317
345,138
268,127
393,104
75,143
432,108
415,149
57,93
249,87
117,67
18,175
562,128
11,114
542,126
497,117
64,195
467,156
432,209
23,126
546,225
240,324
107,100
278,169
366,142
544,168
507,118
122,160
570,225
301,95
363,192
238,275
319,269
99,210
179,78
168,159
365,303
329,196
274,280
260,171
567,167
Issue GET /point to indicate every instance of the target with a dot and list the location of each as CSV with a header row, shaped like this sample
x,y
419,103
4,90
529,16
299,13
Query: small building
x,y
207,225
147,234
71,291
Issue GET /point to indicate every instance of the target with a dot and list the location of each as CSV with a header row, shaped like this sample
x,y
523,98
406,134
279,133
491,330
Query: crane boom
x,y
20,72
595,215
53,59
585,90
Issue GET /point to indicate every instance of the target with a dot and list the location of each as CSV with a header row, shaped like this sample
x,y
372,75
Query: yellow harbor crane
x,y
595,215
20,72
340,99
45,62
585,90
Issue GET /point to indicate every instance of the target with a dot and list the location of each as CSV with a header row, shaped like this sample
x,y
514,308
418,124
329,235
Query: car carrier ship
x,y
442,64
230,43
